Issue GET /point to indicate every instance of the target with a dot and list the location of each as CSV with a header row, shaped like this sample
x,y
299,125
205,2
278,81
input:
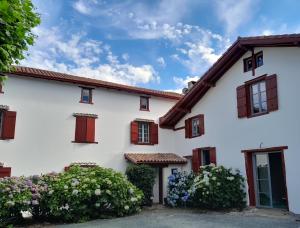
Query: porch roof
x,y
154,158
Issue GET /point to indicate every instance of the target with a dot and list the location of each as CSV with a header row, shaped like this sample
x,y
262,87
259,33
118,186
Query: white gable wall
x,y
45,126
229,134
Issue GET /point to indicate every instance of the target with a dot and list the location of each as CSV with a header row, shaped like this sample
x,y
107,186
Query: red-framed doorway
x,y
249,163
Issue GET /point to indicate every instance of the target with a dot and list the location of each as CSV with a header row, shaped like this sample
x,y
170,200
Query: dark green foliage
x,y
17,18
143,177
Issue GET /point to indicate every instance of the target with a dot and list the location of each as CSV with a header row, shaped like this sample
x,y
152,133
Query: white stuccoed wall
x,y
45,126
230,135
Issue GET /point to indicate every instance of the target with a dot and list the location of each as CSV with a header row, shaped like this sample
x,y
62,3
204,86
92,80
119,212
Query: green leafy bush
x,y
143,177
179,184
80,194
217,187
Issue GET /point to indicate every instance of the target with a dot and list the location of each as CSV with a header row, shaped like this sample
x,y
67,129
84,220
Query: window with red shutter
x,y
257,97
143,132
203,156
7,124
85,129
194,126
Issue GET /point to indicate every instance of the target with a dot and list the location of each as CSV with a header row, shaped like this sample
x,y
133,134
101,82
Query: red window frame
x,y
90,95
147,100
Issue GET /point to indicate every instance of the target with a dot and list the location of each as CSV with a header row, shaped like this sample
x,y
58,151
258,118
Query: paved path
x,y
180,218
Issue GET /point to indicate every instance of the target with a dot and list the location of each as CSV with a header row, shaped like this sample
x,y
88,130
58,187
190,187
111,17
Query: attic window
x,y
144,103
86,96
250,62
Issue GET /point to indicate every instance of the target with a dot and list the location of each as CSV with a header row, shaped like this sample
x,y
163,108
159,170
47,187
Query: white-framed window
x,y
144,130
258,97
205,155
195,127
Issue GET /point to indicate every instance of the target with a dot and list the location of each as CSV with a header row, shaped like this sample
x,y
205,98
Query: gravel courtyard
x,y
181,218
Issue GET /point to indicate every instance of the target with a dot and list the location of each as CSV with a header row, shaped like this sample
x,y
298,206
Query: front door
x,y
269,180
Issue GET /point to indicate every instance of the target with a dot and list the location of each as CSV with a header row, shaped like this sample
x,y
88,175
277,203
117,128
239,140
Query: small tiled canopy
x,y
154,158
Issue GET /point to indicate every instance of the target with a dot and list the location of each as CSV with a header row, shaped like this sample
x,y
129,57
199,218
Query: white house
x,y
242,113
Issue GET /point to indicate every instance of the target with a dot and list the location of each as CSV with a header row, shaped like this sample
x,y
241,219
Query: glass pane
x,y
255,108
262,86
195,127
259,61
254,88
85,95
255,98
264,199
249,64
263,186
205,157
263,96
144,103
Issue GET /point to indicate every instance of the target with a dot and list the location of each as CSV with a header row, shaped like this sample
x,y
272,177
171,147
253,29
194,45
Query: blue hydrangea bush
x,y
217,187
77,195
179,184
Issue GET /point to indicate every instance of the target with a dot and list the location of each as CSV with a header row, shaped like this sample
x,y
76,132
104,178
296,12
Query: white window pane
x,y
255,98
263,96
254,88
262,86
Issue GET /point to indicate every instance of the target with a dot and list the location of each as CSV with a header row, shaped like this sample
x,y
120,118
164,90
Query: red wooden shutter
x,y
154,133
241,93
212,155
9,124
250,178
5,172
272,97
81,129
196,160
134,132
188,128
201,121
90,129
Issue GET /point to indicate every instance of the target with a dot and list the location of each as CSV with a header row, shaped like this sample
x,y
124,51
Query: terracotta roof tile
x,y
155,158
51,75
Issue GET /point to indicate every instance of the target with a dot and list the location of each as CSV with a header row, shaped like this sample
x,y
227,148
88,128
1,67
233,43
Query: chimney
x,y
191,84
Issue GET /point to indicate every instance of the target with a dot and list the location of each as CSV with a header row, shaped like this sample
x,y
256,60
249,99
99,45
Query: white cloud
x,y
84,57
161,61
81,7
125,56
235,13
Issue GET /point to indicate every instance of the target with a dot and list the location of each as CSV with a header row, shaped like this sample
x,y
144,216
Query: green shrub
x,y
82,194
218,188
179,184
77,195
143,177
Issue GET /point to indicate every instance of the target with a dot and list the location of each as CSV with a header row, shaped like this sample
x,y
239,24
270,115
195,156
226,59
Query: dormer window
x,y
86,95
144,103
258,61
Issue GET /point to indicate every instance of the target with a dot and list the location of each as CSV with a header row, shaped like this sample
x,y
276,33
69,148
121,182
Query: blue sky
x,y
153,44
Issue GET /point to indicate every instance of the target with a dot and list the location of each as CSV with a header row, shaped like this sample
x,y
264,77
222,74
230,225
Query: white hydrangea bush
x,y
217,187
